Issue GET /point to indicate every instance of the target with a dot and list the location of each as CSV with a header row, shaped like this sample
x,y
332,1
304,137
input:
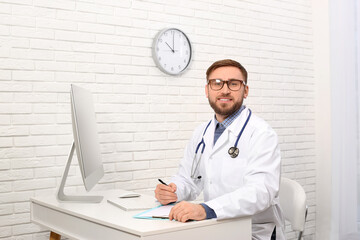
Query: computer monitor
x,y
86,143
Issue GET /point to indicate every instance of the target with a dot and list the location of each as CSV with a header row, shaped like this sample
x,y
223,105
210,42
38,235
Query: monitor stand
x,y
73,198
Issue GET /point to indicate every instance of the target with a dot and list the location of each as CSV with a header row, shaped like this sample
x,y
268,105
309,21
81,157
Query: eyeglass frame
x,y
227,83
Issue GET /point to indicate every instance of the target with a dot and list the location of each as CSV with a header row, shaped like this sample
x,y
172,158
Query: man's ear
x,y
207,90
246,92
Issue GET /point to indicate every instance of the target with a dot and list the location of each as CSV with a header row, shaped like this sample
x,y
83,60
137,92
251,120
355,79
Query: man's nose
x,y
225,88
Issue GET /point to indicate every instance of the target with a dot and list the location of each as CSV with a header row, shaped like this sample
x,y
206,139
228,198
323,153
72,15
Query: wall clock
x,y
172,51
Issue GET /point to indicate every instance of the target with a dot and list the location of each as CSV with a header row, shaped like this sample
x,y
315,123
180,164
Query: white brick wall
x,y
144,116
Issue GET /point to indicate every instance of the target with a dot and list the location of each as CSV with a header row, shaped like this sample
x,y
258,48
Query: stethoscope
x,y
233,151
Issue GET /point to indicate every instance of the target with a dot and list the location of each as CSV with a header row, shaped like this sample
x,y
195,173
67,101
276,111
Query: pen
x,y
161,217
162,181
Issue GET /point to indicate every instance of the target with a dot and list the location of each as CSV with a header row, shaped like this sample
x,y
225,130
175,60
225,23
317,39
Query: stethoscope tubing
x,y
202,144
243,128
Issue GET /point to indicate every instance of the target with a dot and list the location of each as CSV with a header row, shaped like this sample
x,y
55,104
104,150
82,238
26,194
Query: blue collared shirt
x,y
220,127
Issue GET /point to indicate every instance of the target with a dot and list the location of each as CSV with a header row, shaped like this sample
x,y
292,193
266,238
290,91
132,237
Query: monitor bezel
x,y
89,179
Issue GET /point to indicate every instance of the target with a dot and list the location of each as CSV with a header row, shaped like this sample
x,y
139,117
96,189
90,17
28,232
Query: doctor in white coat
x,y
239,169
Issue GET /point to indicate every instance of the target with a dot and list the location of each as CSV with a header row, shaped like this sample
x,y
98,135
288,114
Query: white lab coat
x,y
241,186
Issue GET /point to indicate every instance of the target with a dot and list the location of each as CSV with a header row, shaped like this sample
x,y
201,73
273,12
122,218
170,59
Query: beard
x,y
223,110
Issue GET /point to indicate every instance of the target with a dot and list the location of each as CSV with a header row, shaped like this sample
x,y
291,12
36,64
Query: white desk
x,y
105,221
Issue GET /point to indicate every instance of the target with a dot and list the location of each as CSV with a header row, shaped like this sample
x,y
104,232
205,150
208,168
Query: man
x,y
239,169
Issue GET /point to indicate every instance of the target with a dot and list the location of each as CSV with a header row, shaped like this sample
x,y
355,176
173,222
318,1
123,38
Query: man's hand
x,y
184,211
166,194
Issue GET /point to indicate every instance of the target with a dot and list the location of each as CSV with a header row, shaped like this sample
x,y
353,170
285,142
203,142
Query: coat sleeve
x,y
187,189
260,183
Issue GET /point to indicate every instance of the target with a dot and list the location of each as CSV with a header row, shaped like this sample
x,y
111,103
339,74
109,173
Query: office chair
x,y
293,203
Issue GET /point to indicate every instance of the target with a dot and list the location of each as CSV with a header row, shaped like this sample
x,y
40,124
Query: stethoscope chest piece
x,y
233,152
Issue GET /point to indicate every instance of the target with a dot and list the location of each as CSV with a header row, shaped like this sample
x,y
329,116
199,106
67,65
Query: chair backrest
x,y
293,203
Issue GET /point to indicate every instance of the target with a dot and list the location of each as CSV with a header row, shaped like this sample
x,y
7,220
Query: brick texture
x,y
144,116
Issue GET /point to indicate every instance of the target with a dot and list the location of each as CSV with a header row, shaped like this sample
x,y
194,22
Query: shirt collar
x,y
227,122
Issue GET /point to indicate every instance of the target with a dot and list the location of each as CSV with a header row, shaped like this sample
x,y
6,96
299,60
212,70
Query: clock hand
x,y
170,47
173,41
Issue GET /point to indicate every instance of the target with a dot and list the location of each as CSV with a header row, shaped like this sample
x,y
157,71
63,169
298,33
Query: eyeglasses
x,y
232,84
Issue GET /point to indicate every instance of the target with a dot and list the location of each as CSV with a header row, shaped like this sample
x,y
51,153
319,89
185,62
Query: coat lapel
x,y
233,130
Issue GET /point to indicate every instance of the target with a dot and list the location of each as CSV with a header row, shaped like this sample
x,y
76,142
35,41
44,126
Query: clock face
x,y
172,51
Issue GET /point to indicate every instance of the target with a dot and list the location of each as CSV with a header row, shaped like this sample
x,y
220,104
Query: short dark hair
x,y
226,63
